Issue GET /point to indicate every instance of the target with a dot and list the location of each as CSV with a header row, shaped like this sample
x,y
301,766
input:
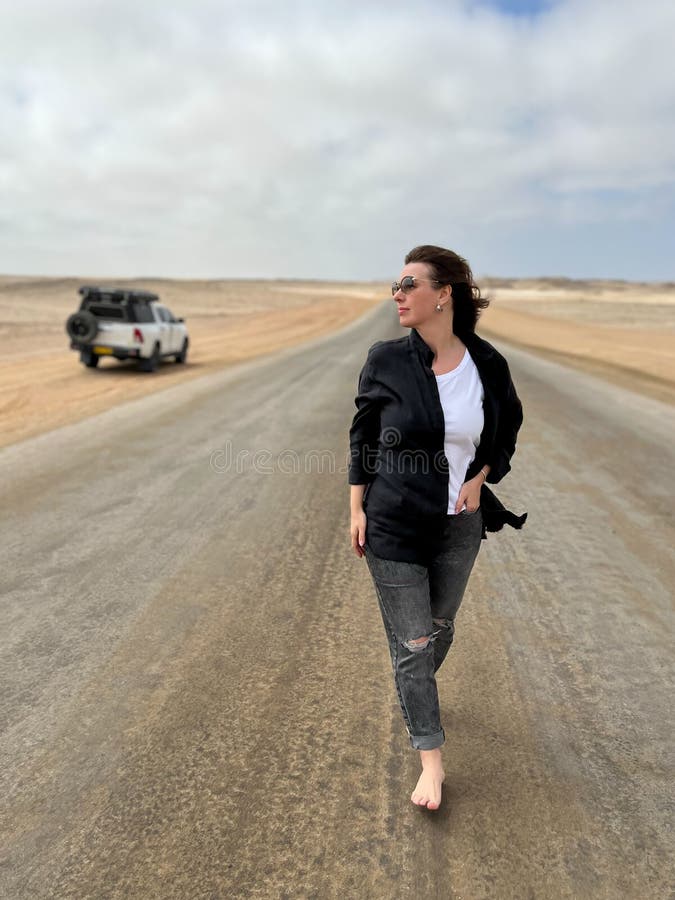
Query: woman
x,y
437,417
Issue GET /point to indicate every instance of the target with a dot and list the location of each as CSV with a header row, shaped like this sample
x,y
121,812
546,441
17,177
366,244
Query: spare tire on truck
x,y
82,326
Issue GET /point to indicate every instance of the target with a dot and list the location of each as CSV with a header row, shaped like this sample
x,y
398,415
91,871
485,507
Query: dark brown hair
x,y
450,268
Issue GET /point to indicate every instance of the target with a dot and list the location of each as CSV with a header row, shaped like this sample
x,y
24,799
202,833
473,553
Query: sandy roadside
x,y
43,385
622,331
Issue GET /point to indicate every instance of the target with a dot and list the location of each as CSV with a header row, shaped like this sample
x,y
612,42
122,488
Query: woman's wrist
x,y
356,498
485,471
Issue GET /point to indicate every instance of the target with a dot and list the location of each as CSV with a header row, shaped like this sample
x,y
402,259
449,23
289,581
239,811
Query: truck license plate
x,y
102,350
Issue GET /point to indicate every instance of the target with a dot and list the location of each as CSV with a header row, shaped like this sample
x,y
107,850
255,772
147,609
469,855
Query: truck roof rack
x,y
117,295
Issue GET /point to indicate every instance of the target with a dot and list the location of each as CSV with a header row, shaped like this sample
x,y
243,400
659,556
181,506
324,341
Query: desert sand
x,y
623,331
43,385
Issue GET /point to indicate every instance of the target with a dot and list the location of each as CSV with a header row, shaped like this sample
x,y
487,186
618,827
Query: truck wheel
x,y
182,356
82,326
89,358
151,364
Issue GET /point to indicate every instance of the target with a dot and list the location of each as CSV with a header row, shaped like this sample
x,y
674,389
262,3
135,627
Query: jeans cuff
x,y
427,741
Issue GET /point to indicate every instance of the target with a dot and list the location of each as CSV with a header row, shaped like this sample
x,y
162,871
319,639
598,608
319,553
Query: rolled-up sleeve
x,y
365,429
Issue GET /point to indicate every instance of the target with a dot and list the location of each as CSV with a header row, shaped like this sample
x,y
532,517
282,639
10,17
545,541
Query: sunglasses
x,y
409,283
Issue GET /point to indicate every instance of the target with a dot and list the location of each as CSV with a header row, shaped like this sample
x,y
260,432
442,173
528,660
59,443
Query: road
x,y
197,698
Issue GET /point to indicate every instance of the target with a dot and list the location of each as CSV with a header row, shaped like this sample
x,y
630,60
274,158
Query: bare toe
x,y
428,789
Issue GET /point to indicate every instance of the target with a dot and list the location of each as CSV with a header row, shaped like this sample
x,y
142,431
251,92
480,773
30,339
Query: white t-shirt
x,y
461,393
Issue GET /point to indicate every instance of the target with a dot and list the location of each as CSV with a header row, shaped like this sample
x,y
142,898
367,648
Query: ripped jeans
x,y
418,605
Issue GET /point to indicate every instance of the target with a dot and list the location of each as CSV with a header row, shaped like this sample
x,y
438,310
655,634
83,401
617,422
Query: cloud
x,y
319,139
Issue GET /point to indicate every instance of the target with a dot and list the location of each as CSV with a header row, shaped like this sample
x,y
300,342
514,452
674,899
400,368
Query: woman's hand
x,y
470,494
356,495
358,532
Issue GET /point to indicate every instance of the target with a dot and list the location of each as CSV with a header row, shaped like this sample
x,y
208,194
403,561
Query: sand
x,y
43,385
620,330
623,331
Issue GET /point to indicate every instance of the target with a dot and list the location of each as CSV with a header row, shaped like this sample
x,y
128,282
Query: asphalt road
x,y
197,699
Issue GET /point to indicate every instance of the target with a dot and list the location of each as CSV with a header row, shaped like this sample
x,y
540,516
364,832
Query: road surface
x,y
197,699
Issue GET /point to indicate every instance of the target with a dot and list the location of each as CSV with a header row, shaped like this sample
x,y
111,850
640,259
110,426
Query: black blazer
x,y
397,445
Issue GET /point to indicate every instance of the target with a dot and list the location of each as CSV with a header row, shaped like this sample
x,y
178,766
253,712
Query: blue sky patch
x,y
520,7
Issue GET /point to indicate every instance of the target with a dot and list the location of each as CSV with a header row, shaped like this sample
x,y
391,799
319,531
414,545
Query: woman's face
x,y
418,305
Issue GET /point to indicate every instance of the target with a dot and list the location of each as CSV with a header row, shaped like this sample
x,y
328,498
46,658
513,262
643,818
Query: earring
x,y
439,308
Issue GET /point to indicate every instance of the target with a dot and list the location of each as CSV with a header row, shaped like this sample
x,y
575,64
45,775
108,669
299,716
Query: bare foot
x,y
428,789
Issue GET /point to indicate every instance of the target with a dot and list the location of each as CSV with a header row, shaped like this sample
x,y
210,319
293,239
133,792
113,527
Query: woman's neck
x,y
439,338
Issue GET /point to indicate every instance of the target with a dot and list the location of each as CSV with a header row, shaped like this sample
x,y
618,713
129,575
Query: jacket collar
x,y
418,344
476,346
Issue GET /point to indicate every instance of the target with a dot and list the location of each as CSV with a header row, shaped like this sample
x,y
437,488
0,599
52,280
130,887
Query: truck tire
x,y
89,358
82,326
151,364
182,356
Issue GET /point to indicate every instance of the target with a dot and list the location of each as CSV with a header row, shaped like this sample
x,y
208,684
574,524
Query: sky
x,y
316,139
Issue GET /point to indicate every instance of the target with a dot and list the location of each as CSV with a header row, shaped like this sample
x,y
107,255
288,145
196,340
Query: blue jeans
x,y
419,601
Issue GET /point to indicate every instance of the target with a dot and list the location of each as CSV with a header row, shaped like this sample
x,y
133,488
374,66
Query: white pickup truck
x,y
126,325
